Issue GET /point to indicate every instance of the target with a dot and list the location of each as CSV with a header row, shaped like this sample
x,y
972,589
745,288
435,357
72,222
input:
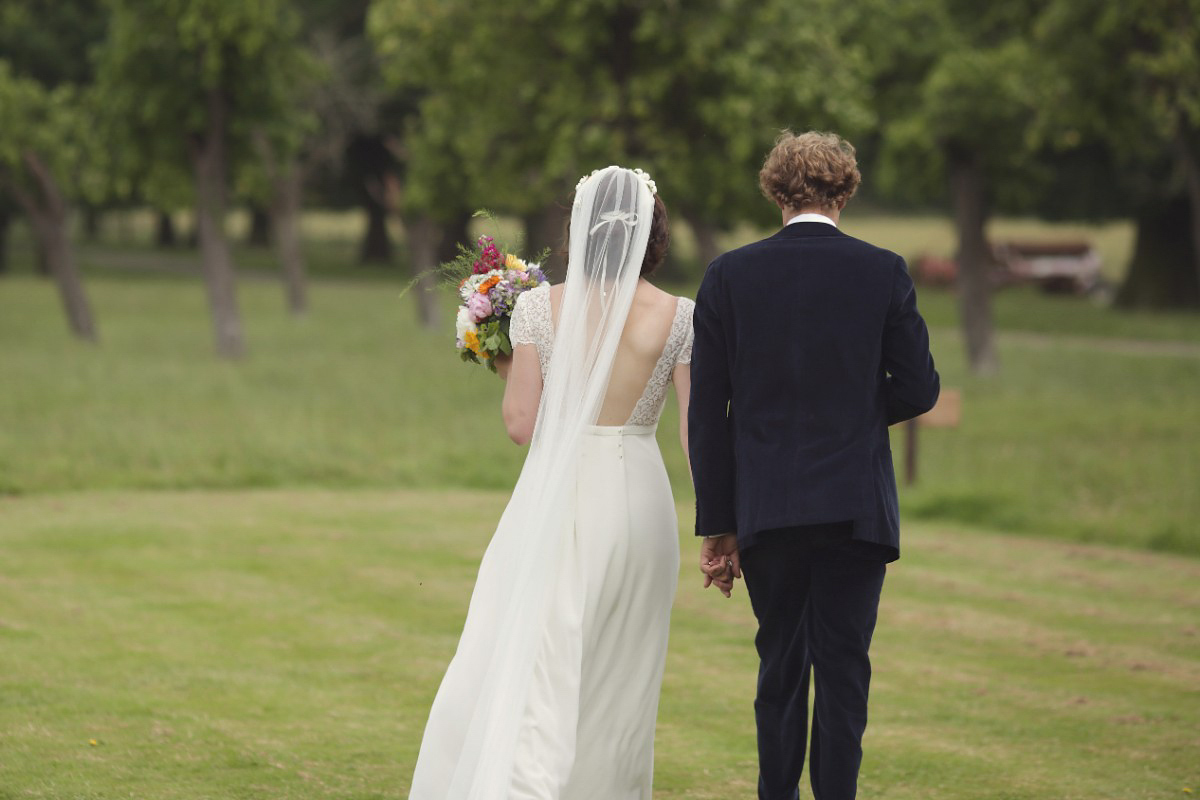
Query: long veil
x,y
470,740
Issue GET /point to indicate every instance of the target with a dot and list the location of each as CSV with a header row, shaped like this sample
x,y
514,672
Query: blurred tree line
x,y
420,111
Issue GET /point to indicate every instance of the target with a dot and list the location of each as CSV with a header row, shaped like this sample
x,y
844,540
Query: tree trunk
x,y
706,241
209,160
49,217
549,227
5,227
91,223
165,235
285,223
424,241
975,262
1161,274
707,250
1190,165
377,244
260,227
41,261
454,233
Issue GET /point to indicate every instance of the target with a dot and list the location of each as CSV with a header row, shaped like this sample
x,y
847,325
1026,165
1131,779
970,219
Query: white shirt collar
x,y
811,218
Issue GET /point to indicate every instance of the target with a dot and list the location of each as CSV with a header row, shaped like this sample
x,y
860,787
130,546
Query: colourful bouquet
x,y
489,293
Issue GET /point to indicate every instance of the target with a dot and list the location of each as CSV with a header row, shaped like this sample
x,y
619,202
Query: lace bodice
x,y
533,324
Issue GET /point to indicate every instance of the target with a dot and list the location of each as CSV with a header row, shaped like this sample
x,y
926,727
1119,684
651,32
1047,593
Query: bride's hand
x,y
720,562
503,365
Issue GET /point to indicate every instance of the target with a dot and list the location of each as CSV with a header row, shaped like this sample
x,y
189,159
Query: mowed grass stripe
x,y
287,644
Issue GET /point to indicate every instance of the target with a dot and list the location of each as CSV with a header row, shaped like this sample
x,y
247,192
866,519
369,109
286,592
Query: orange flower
x,y
487,285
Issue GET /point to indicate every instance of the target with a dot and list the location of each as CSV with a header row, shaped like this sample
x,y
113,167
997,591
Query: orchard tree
x,y
693,94
45,153
49,159
714,89
189,82
1127,76
333,97
958,126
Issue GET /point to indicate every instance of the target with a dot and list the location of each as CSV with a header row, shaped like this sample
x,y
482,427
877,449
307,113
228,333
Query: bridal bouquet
x,y
491,283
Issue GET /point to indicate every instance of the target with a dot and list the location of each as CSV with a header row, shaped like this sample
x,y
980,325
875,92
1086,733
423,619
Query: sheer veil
x,y
471,738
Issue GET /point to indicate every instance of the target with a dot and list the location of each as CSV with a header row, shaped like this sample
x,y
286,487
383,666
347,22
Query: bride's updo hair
x,y
660,239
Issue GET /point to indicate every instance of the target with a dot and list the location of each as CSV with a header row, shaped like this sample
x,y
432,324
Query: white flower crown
x,y
645,176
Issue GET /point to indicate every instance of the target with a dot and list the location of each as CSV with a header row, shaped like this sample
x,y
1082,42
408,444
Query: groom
x,y
808,346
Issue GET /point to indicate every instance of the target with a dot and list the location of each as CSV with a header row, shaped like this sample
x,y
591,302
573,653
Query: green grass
x,y
287,644
1084,438
273,619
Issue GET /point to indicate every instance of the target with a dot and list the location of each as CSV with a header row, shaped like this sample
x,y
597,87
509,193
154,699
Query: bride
x,y
554,689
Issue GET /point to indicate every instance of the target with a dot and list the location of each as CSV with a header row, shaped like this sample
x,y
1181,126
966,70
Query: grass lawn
x,y
243,580
287,644
1082,437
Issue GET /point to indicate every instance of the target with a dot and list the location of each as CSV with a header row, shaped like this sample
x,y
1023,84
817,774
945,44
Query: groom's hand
x,y
720,562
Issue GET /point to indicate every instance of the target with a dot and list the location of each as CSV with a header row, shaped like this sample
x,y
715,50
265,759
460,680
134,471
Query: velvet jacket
x,y
808,345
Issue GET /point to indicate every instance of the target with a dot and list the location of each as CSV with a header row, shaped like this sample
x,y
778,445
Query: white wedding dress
x,y
566,709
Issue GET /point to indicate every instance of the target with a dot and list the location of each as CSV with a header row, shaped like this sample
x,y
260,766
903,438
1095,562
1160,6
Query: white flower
x,y
642,174
463,324
645,176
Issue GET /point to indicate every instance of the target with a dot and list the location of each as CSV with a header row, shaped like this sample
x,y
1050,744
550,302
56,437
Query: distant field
x,y
1081,438
285,645
333,237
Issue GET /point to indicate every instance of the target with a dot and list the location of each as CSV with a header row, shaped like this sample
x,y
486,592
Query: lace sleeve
x,y
684,321
522,328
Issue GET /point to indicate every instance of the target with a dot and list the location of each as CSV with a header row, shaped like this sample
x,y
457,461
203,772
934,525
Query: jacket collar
x,y
799,230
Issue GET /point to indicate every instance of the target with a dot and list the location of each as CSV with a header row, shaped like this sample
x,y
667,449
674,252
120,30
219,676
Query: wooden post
x,y
946,414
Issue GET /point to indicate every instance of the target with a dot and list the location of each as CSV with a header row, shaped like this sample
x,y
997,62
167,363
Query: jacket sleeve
x,y
710,430
912,384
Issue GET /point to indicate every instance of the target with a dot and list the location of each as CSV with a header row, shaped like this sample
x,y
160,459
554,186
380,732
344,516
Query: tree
x,y
1144,107
695,95
960,118
48,159
44,154
188,82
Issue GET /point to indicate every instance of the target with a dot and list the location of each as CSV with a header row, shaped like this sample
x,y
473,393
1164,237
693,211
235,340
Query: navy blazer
x,y
808,346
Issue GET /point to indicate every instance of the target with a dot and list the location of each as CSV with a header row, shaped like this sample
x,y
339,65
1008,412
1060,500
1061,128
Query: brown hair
x,y
809,170
660,239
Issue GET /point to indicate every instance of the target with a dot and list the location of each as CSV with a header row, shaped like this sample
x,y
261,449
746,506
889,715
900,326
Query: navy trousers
x,y
816,596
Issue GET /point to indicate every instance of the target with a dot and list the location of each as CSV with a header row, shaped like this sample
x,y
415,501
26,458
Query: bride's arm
x,y
682,378
523,393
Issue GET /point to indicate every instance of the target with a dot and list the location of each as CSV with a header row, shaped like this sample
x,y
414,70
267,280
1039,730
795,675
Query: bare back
x,y
657,337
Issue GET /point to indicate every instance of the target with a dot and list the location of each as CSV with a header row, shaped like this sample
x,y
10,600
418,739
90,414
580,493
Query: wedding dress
x,y
553,692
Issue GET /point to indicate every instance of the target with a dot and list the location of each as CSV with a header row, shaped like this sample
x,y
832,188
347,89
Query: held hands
x,y
720,562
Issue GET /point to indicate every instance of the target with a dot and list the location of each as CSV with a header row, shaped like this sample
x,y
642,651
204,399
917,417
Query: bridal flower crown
x,y
642,174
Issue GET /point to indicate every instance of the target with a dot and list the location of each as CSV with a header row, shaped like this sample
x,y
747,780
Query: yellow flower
x,y
93,742
512,262
471,338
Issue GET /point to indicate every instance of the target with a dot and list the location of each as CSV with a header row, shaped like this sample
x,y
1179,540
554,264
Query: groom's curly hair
x,y
809,170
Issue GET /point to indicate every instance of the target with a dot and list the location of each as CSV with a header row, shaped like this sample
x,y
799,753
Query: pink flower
x,y
479,307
